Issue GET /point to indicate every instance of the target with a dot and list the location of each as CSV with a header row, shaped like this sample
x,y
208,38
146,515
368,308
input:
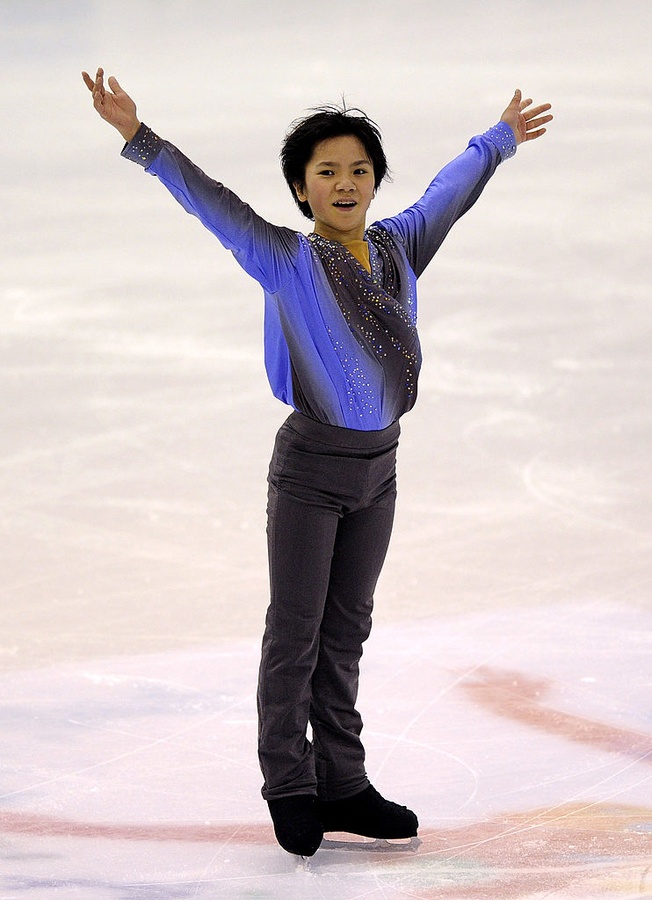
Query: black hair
x,y
322,123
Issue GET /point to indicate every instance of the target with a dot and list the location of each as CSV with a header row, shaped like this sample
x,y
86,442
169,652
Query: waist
x,y
345,438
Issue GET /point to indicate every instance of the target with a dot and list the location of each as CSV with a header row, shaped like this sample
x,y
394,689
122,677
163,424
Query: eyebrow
x,y
358,162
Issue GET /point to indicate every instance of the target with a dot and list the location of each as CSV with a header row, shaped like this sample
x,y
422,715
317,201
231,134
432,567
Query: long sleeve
x,y
329,324
422,227
266,252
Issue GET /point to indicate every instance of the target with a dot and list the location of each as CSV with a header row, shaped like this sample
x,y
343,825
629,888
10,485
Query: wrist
x,y
143,148
504,138
129,131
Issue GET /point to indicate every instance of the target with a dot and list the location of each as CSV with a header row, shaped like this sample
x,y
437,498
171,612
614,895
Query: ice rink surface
x,y
507,686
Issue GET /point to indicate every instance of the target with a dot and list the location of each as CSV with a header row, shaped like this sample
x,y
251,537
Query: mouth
x,y
345,204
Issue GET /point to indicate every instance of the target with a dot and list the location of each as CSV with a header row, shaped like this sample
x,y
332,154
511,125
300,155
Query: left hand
x,y
527,124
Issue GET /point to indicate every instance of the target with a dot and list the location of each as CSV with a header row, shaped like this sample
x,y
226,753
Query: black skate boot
x,y
368,814
297,826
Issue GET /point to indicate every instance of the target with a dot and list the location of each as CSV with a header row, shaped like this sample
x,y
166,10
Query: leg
x,y
347,801
360,548
301,539
300,549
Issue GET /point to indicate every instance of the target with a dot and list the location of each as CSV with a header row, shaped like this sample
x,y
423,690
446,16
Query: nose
x,y
345,183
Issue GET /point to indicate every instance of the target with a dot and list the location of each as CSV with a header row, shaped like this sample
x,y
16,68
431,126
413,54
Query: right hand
x,y
116,107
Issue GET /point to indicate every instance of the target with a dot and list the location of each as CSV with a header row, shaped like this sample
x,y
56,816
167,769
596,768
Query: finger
x,y
524,104
88,81
115,87
532,135
98,85
537,123
98,95
537,110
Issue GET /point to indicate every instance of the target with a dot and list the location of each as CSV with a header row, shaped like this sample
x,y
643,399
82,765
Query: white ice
x,y
136,425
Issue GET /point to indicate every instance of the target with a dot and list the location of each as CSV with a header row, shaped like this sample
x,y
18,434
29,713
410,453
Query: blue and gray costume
x,y
341,348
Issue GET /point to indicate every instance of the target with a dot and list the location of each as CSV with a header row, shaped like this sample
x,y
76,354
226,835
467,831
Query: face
x,y
339,186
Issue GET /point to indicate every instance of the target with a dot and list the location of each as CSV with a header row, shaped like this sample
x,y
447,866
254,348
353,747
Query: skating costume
x,y
341,348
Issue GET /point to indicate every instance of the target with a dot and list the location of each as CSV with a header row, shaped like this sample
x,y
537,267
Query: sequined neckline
x,y
371,272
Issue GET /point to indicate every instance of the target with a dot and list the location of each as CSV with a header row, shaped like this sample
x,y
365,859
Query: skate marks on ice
x,y
587,852
522,739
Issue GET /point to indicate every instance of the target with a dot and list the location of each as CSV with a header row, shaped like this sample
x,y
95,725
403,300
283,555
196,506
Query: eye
x,y
326,172
361,172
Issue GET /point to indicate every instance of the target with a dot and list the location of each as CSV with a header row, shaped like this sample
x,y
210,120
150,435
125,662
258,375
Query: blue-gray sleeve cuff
x,y
502,137
143,148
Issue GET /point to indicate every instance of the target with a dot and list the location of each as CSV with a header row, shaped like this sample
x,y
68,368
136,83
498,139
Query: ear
x,y
299,191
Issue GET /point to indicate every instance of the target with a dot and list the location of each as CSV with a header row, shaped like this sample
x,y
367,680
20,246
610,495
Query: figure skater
x,y
341,349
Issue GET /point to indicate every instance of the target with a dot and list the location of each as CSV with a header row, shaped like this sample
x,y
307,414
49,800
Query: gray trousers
x,y
330,512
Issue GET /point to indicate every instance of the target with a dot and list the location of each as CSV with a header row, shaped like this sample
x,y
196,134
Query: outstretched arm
x,y
527,124
115,106
266,252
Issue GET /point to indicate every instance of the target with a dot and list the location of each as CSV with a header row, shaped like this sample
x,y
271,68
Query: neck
x,y
342,237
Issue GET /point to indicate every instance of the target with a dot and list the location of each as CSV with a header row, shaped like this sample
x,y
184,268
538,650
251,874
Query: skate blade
x,y
373,845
